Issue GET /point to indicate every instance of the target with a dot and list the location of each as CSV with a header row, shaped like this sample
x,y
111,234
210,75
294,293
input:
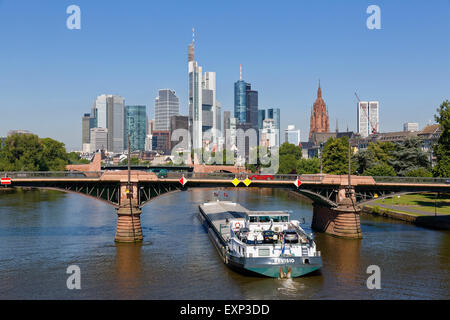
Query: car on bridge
x,y
261,177
162,174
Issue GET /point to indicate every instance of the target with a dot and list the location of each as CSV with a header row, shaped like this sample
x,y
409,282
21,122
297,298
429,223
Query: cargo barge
x,y
259,243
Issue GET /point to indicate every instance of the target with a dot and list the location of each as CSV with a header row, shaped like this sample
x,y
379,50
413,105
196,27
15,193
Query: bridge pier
x,y
129,228
342,221
129,224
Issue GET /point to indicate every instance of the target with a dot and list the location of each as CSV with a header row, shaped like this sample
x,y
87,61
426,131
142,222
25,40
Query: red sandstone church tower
x,y
320,121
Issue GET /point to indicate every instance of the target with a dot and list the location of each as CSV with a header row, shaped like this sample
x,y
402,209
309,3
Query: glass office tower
x,y
240,101
135,125
261,118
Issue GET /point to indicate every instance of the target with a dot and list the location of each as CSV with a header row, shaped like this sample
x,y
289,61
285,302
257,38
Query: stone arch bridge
x,y
335,201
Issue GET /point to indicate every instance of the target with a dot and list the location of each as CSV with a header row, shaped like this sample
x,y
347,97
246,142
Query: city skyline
x,y
69,77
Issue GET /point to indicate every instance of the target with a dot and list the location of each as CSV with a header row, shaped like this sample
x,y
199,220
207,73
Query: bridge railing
x,y
52,174
412,180
243,176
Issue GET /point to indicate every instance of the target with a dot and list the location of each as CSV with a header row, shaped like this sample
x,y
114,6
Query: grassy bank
x,y
415,208
422,202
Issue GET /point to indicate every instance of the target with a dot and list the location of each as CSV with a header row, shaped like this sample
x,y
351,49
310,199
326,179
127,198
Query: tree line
x,y
28,152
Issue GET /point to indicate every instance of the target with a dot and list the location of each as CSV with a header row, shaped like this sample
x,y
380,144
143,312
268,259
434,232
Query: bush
x,y
380,170
419,172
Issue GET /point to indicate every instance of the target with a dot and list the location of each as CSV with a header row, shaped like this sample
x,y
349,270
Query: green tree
x,y
381,151
408,155
419,172
364,160
54,155
289,156
74,158
308,166
442,148
335,156
21,152
380,170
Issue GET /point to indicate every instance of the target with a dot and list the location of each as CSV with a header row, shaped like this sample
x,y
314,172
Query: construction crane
x,y
374,127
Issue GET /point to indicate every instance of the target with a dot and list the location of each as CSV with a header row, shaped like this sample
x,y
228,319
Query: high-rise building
x,y
261,118
232,139
88,121
161,141
166,105
86,129
240,101
99,139
320,121
226,127
176,123
204,109
195,99
110,115
291,135
367,118
269,134
411,126
245,102
135,126
274,114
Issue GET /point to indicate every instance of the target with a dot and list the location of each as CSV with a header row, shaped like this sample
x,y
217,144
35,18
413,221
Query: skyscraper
x,y
274,113
245,102
269,134
240,101
204,109
166,105
86,129
110,115
261,118
320,121
135,125
367,118
179,122
195,97
252,107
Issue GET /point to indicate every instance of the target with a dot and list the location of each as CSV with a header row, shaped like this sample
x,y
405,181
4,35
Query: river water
x,y
44,232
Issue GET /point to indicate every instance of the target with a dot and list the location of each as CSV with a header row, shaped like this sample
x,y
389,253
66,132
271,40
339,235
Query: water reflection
x,y
343,256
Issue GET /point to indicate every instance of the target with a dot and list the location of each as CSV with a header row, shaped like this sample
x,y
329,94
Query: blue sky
x,y
50,76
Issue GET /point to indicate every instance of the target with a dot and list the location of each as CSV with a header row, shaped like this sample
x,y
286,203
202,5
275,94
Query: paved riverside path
x,y
407,209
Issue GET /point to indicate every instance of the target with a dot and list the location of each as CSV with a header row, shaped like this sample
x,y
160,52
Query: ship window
x,y
285,218
264,252
264,219
253,219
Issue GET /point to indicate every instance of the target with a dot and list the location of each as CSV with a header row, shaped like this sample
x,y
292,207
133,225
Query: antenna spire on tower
x,y
193,37
240,72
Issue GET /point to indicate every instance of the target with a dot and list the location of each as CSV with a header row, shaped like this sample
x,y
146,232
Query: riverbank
x,y
438,222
